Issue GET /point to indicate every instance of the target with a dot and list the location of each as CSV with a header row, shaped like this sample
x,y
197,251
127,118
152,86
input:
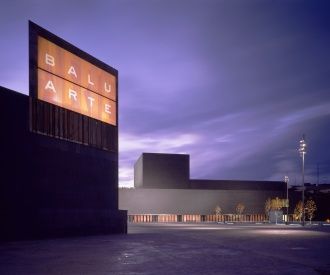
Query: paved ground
x,y
177,249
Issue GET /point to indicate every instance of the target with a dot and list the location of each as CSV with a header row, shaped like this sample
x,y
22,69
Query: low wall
x,y
192,201
147,218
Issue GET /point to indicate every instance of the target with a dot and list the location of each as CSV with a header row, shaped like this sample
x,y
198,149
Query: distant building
x,y
162,186
162,171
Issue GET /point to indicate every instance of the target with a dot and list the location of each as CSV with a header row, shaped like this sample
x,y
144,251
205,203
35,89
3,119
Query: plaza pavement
x,y
200,248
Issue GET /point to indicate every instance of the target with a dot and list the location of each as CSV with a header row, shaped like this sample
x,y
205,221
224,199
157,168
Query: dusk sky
x,y
234,84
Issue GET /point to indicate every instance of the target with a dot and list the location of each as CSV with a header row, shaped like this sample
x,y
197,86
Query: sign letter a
x,y
72,71
50,86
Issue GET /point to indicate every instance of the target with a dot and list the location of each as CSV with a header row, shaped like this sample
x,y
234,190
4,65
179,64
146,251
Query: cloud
x,y
224,139
126,177
156,143
234,86
305,114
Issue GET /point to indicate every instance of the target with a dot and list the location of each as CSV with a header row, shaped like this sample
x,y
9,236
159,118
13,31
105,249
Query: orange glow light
x,y
71,82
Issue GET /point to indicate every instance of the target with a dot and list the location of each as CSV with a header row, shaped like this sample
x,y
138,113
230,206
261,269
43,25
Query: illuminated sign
x,y
66,80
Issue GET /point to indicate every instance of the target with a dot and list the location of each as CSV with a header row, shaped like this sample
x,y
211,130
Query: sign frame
x,y
34,32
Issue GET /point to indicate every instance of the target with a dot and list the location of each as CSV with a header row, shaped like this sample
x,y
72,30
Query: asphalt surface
x,y
177,249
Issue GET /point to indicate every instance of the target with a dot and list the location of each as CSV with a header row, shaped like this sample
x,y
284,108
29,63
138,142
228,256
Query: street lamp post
x,y
286,179
302,151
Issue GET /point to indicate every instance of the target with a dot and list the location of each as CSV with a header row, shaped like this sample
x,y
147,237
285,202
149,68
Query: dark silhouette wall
x,y
237,185
319,193
162,171
53,187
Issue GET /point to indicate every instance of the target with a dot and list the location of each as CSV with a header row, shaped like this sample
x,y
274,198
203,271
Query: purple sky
x,y
234,84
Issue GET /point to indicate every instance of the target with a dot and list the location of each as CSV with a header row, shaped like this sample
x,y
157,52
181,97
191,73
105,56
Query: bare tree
x,y
310,209
268,207
240,208
298,210
276,204
218,210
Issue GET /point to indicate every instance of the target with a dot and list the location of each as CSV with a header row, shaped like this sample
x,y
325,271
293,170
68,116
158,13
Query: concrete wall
x,y
162,171
192,201
52,187
138,172
237,185
163,187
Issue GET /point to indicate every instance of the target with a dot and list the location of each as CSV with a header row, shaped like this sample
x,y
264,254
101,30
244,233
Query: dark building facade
x,y
51,186
162,186
59,145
